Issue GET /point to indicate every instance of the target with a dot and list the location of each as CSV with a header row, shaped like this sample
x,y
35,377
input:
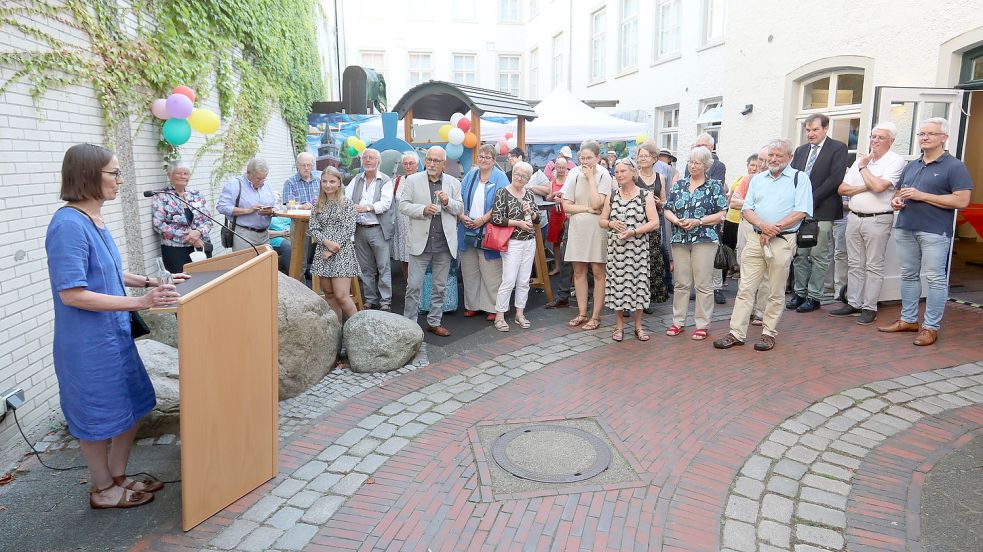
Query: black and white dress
x,y
627,269
336,223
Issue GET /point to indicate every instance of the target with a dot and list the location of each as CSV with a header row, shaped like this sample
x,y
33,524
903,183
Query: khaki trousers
x,y
481,278
754,267
866,242
693,267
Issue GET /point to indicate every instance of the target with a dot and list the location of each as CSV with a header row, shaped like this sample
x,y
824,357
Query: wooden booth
x,y
227,346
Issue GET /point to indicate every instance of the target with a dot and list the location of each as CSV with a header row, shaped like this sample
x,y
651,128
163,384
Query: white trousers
x,y
516,269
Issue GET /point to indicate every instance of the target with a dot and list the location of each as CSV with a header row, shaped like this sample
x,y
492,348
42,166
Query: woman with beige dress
x,y
584,194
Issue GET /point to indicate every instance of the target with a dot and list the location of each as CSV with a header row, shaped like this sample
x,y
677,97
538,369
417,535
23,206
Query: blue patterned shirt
x,y
300,191
707,199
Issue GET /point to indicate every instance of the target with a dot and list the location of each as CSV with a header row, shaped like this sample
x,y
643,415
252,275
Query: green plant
x,y
258,54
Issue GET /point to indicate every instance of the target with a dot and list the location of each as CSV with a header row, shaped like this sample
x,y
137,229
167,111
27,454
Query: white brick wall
x,y
32,143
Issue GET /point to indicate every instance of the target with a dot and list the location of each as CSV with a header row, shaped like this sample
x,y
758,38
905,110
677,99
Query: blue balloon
x,y
454,150
176,131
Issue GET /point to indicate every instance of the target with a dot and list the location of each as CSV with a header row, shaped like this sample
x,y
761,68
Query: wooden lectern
x,y
227,342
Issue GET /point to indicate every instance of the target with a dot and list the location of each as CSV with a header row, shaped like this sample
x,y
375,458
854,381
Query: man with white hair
x,y
432,201
304,186
777,200
248,201
929,191
870,186
372,193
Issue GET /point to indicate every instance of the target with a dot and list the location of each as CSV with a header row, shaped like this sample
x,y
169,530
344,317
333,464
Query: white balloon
x,y
455,118
455,136
512,142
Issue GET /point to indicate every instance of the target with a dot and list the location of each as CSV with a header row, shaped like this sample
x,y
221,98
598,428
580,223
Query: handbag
x,y
725,259
474,236
227,228
808,233
497,238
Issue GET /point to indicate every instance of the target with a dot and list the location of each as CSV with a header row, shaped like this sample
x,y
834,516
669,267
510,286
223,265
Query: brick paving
x,y
748,450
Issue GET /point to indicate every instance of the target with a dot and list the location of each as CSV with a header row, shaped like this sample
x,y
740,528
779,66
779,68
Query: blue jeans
x,y
923,254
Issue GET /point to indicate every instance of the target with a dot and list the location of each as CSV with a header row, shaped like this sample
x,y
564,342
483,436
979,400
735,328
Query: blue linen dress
x,y
104,388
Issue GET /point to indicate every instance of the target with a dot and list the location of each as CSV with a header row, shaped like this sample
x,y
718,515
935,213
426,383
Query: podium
x,y
227,346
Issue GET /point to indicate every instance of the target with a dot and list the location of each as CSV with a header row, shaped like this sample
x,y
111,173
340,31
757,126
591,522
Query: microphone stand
x,y
152,193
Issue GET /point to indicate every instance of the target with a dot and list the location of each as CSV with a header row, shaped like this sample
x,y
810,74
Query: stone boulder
x,y
161,361
310,337
379,341
163,327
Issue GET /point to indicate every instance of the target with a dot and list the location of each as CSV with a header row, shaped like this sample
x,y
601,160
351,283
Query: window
x,y
668,118
711,113
971,70
374,60
838,95
713,21
508,74
533,8
557,77
464,69
463,11
508,11
534,73
597,45
420,68
629,35
667,29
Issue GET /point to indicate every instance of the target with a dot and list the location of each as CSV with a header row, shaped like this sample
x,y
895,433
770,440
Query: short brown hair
x,y
81,172
823,120
487,149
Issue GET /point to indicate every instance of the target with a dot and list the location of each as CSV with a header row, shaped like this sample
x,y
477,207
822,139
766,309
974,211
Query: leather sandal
x,y
501,325
641,334
129,499
592,324
522,322
580,319
149,485
618,335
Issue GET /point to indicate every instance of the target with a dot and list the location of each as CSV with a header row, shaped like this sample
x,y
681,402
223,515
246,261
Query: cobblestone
x,y
297,537
777,508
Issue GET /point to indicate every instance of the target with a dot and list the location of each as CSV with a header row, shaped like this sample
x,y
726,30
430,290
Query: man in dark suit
x,y
825,161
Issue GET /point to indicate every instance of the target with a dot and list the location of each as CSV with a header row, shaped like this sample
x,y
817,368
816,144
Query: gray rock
x,y
379,341
309,339
163,327
161,361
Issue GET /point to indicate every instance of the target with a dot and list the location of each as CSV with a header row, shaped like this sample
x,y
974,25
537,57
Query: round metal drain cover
x,y
551,453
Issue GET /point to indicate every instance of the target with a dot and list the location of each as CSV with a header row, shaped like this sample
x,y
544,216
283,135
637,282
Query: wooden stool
x,y
542,279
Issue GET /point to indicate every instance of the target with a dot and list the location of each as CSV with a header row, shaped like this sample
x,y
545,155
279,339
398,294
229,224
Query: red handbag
x,y
497,238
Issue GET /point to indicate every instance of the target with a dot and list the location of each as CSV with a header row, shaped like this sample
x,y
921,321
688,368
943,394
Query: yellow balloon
x,y
359,145
641,138
204,121
444,131
351,141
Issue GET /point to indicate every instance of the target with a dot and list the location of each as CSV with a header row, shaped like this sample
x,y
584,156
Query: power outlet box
x,y
11,399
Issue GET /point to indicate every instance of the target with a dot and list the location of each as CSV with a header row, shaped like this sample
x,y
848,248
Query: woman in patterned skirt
x,y
332,227
629,215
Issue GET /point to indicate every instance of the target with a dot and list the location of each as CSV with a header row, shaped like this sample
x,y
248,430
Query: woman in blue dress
x,y
103,386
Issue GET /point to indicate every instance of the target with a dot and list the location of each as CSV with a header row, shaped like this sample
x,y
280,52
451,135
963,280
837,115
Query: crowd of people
x,y
602,206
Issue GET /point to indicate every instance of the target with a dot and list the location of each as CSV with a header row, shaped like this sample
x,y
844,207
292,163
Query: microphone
x,y
152,193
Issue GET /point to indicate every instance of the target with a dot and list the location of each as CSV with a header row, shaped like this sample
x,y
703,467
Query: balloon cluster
x,y
458,135
641,138
355,145
180,116
506,144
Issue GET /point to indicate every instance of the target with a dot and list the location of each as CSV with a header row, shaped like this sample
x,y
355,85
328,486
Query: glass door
x,y
907,107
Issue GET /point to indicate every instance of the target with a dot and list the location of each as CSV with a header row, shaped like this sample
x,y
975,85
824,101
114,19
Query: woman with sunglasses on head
x,y
628,217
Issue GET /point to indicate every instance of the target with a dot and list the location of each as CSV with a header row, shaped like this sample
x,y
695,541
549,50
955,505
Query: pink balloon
x,y
179,106
464,124
159,109
508,135
503,148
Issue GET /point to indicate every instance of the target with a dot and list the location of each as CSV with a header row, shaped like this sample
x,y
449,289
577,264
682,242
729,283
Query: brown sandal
x,y
580,319
618,335
149,485
641,334
592,324
129,499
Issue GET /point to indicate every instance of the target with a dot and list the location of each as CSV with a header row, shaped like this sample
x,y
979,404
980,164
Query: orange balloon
x,y
470,140
186,90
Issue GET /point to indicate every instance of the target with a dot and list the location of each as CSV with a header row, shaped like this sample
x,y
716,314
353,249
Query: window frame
x,y
598,44
710,7
556,76
836,113
532,71
670,132
628,22
660,21
381,53
516,73
410,69
503,5
473,72
713,128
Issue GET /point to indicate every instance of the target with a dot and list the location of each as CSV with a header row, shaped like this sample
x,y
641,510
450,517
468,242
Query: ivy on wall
x,y
139,50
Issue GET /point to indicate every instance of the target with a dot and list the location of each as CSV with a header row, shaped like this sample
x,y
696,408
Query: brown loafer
x,y
926,337
766,343
439,331
727,341
899,326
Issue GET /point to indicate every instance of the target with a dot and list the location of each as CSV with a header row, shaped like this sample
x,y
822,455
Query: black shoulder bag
x,y
228,228
808,233
138,328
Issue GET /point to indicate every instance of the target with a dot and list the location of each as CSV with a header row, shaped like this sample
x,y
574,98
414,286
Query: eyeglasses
x,y
932,134
881,138
117,174
485,157
432,160
516,176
